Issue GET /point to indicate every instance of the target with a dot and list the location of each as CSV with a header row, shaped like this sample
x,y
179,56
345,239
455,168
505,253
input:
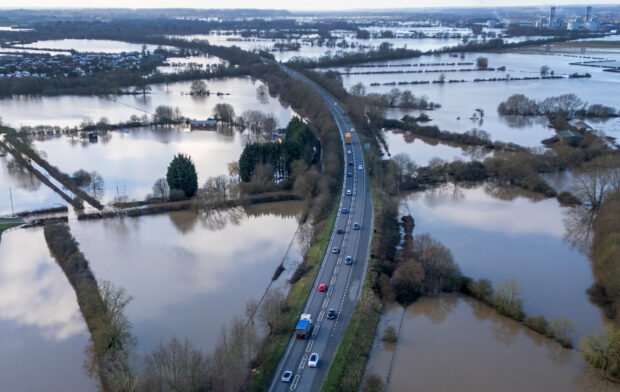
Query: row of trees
x,y
569,104
395,98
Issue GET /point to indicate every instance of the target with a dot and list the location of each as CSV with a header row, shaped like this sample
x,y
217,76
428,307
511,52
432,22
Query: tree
x,y
544,70
482,63
199,87
373,383
358,89
407,281
161,190
81,178
163,114
561,329
507,299
224,112
96,187
603,351
182,175
271,311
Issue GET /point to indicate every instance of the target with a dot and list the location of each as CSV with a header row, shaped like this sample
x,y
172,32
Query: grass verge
x,y
6,226
297,297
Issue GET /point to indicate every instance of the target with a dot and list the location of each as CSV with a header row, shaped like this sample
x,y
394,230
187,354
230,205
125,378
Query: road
x,y
344,281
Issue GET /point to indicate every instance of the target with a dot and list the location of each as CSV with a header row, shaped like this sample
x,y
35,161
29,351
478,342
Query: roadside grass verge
x,y
347,369
295,301
6,226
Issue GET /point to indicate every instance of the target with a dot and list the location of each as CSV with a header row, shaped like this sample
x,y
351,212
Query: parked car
x,y
344,210
348,260
313,361
287,376
339,231
356,226
331,314
349,192
322,287
336,250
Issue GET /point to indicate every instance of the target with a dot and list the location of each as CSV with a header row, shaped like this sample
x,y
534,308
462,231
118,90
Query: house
x,y
196,125
570,137
582,126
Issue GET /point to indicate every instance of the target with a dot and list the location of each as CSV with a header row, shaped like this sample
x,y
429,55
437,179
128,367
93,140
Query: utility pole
x,y
11,196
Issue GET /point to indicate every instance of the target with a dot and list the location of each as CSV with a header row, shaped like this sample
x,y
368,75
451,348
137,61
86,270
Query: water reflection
x,y
40,321
473,348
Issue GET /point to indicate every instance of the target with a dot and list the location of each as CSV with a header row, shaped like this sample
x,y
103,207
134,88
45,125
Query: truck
x,y
347,138
304,326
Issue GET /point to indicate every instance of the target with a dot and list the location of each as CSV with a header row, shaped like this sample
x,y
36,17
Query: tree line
x,y
569,104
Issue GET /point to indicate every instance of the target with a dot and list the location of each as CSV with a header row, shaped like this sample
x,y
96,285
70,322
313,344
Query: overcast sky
x,y
286,4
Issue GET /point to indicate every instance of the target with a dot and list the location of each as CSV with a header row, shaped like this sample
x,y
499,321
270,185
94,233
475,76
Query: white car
x,y
360,167
313,361
348,192
348,151
287,376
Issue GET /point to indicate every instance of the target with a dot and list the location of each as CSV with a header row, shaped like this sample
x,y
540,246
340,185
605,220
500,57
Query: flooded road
x,y
41,328
455,343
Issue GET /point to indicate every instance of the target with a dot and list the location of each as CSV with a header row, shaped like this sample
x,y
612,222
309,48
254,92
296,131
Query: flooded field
x,y
71,110
90,45
460,100
190,275
455,343
41,327
514,238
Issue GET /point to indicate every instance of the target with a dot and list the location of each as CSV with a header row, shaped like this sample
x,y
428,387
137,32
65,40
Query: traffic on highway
x,y
339,281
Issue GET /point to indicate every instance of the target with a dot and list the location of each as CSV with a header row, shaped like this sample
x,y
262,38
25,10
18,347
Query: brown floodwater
x,y
42,332
458,344
190,275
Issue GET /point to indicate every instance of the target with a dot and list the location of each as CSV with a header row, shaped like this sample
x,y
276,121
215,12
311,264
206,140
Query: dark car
x,y
350,163
336,250
349,174
339,231
356,226
331,314
344,210
348,260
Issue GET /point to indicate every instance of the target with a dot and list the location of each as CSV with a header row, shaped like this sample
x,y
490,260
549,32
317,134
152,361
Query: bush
x,y
373,383
177,195
389,336
507,300
481,289
538,324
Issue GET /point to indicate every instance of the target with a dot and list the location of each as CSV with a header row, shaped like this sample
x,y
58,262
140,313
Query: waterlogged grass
x,y
295,302
347,369
6,226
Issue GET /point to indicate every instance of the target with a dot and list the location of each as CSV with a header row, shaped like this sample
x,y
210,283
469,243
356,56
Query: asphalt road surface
x,y
344,281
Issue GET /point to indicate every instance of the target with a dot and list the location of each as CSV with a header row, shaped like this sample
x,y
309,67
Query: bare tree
x,y
199,87
271,310
161,190
224,112
96,186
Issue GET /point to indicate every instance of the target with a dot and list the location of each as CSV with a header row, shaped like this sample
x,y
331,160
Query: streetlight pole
x,y
11,196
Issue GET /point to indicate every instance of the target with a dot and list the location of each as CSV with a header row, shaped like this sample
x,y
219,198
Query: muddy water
x,y
460,100
453,343
70,110
518,239
188,275
131,162
42,332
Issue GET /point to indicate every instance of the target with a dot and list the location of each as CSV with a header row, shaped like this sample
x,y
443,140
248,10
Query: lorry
x,y
347,138
304,326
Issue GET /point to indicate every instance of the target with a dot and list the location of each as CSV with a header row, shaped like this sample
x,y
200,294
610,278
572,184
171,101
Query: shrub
x,y
389,336
177,195
373,383
538,324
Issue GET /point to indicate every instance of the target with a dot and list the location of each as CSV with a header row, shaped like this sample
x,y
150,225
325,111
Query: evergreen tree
x,y
182,175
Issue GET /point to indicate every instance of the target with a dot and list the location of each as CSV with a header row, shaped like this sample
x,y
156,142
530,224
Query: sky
x,y
290,5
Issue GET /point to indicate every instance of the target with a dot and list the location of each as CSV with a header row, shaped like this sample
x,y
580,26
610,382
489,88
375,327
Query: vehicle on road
x,y
349,174
322,287
344,210
304,326
350,163
349,192
348,151
356,226
348,260
313,361
359,167
339,231
287,376
335,250
352,129
347,138
331,314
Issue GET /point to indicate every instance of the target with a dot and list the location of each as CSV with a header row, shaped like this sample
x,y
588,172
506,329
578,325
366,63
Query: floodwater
x,y
456,343
460,100
190,275
90,45
71,110
517,239
131,162
42,332
28,193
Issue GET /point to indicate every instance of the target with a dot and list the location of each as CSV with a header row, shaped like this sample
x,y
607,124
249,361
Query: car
x,y
344,210
348,260
335,250
349,174
356,226
331,314
352,129
339,231
349,192
359,167
350,163
348,151
287,376
313,361
322,287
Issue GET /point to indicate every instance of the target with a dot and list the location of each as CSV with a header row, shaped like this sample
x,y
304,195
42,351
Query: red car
x,y
322,287
339,231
